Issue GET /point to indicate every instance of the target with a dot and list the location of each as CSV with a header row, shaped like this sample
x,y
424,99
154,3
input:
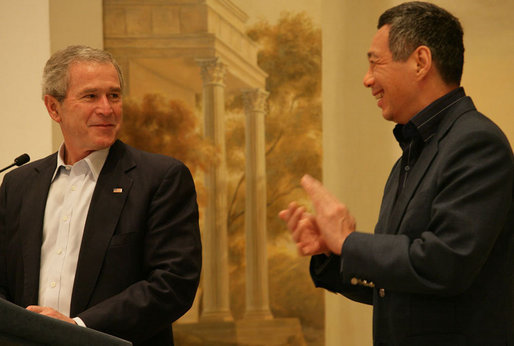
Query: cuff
x,y
79,321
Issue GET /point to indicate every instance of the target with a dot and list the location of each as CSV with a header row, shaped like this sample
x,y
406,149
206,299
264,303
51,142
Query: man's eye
x,y
89,96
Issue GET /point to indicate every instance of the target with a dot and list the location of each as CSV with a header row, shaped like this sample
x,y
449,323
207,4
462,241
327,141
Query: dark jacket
x,y
140,258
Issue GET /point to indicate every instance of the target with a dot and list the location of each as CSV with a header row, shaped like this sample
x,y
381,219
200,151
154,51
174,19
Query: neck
x,y
70,158
430,91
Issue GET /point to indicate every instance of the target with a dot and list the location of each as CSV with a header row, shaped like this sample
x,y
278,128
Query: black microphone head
x,y
22,159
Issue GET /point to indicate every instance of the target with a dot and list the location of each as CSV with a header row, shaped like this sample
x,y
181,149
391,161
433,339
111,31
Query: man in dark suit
x,y
439,269
99,234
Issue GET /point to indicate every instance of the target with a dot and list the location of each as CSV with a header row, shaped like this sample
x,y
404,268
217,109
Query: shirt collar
x,y
95,161
424,124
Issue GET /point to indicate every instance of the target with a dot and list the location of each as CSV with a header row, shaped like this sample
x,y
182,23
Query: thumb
x,y
312,186
318,194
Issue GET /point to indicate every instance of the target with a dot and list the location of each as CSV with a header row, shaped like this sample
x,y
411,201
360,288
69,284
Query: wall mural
x,y
239,101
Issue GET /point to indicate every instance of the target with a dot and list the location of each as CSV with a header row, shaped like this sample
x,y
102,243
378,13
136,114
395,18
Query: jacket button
x,y
354,281
381,293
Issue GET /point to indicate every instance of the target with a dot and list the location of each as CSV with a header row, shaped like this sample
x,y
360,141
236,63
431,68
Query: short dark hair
x,y
413,24
56,71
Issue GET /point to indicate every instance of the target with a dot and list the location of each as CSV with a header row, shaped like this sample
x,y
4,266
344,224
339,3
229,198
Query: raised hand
x,y
333,219
304,230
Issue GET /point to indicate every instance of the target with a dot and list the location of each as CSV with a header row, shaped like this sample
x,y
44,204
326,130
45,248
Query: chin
x,y
387,116
104,143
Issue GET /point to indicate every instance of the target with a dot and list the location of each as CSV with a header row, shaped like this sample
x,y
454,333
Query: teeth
x,y
379,96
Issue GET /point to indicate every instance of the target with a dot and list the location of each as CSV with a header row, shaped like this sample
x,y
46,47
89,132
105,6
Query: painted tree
x,y
291,55
168,127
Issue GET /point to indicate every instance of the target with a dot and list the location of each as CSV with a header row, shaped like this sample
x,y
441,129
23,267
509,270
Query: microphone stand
x,y
20,160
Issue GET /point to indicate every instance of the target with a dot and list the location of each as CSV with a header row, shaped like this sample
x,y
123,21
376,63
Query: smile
x,y
102,125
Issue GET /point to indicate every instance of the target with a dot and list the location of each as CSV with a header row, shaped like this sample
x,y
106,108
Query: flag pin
x,y
117,190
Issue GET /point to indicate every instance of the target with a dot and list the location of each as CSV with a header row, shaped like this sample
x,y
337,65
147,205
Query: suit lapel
x,y
388,199
415,178
108,199
31,224
420,168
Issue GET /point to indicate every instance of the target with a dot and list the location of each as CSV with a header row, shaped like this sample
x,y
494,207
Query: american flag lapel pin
x,y
117,190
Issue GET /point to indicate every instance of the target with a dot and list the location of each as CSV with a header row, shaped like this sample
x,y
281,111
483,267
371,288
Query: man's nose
x,y
104,105
368,79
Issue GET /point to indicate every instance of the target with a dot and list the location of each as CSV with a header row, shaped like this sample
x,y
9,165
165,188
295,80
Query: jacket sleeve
x,y
326,273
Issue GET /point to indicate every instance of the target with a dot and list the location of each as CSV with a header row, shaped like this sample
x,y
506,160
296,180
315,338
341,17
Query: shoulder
x,y
33,168
146,162
473,145
467,126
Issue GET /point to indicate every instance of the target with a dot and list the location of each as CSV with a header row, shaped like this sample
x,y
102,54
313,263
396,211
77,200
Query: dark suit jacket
x,y
140,258
439,269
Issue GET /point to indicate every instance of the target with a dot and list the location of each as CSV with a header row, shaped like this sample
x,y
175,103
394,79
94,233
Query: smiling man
x,y
91,112
439,268
99,234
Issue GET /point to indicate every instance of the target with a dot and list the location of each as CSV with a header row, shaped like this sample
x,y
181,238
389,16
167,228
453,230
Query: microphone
x,y
20,160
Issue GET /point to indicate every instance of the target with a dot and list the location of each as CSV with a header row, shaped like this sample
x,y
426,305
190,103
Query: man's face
x,y
91,113
391,82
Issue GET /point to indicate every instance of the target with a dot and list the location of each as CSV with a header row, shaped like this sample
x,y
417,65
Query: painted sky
x,y
271,9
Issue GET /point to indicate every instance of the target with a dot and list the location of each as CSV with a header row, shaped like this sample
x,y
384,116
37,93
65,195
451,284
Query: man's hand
x,y
304,230
42,310
334,221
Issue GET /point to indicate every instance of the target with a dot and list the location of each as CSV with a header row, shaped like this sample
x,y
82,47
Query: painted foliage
x,y
289,51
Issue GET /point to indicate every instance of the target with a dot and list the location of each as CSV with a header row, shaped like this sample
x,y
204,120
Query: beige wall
x,y
352,121
30,30
25,41
74,22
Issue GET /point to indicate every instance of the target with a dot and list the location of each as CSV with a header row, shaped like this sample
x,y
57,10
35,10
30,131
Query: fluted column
x,y
257,290
216,303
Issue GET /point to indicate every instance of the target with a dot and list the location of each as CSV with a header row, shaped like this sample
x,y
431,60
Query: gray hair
x,y
420,23
56,71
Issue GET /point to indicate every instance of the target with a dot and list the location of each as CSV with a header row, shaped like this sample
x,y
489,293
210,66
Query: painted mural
x,y
237,97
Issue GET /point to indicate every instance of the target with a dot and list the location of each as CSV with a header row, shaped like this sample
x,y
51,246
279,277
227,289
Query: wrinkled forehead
x,y
92,74
379,43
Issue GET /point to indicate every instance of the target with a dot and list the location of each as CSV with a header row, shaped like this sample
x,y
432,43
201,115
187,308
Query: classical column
x,y
257,297
216,303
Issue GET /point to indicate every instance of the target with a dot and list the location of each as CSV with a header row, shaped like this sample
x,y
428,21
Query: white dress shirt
x,y
66,211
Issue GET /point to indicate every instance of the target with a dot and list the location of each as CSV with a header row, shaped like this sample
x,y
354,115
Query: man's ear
x,y
423,58
53,107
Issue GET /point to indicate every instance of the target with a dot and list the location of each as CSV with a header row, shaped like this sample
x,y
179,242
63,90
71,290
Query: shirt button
x,y
53,284
59,251
73,188
65,218
407,168
381,293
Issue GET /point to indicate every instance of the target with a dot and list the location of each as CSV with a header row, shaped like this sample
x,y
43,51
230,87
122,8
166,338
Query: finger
x,y
295,235
310,249
307,224
286,213
35,308
296,216
318,194
302,226
300,248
